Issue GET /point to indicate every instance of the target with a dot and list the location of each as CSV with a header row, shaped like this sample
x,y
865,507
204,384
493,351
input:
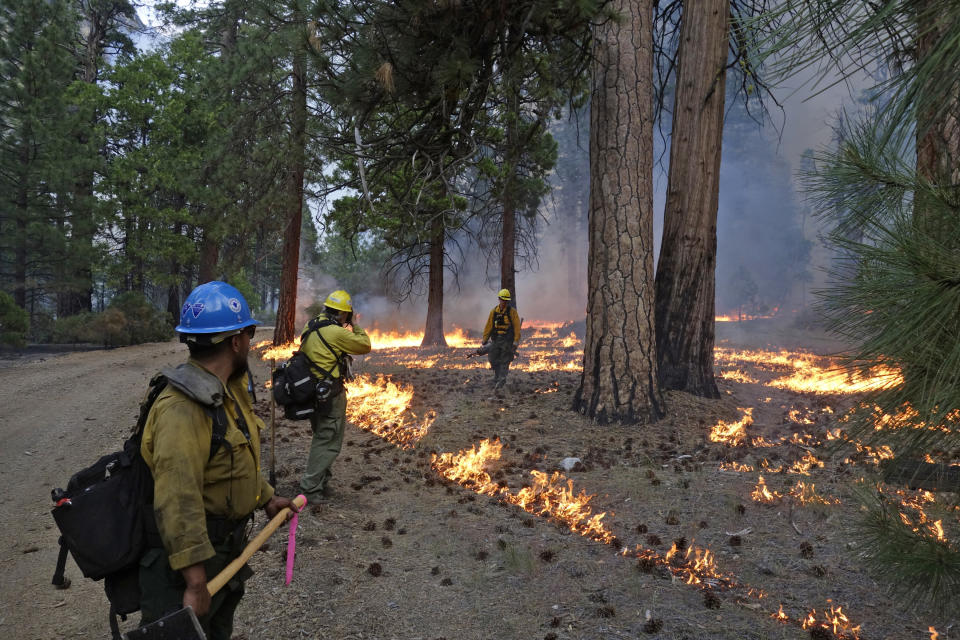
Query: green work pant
x,y
501,355
328,427
162,589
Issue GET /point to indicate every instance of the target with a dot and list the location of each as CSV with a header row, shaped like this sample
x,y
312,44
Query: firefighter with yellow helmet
x,y
328,343
503,331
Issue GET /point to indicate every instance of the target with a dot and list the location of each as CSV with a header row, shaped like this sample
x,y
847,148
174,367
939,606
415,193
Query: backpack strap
x,y
509,316
217,414
251,388
58,580
314,327
157,384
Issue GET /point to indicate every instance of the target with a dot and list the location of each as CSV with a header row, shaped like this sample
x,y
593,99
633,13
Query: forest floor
x,y
401,550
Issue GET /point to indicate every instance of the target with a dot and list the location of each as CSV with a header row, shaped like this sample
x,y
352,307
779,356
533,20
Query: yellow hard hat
x,y
339,300
504,294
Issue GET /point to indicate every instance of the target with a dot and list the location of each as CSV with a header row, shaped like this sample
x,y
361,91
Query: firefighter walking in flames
x,y
503,329
329,348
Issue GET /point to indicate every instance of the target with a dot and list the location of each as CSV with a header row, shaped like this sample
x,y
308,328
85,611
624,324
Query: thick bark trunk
x,y
508,247
287,308
433,330
21,217
686,271
20,251
508,251
938,122
619,381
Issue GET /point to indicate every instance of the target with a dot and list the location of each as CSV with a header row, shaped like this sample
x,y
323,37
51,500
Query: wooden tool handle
x,y
231,569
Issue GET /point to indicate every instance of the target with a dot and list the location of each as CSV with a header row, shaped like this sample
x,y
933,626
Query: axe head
x,y
179,625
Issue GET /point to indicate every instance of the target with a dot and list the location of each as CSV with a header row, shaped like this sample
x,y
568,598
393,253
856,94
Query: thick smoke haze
x,y
769,256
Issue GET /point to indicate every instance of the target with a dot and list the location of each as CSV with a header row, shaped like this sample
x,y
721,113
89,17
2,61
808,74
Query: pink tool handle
x,y
292,541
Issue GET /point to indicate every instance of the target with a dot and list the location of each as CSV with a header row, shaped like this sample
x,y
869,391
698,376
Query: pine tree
x,y
619,381
895,294
469,118
100,31
685,281
35,71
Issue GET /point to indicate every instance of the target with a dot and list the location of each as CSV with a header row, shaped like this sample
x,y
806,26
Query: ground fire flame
x,y
383,407
809,373
732,433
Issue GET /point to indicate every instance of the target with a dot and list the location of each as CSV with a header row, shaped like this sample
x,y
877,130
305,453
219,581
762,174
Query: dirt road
x,y
57,415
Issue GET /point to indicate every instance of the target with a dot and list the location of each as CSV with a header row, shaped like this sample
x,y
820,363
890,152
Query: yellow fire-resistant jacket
x,y
187,487
497,323
342,340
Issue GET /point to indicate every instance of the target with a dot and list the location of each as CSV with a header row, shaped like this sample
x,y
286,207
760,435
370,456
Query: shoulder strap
x,y
506,313
315,325
157,384
217,414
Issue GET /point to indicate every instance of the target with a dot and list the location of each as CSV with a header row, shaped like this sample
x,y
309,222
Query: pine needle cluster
x,y
890,191
917,567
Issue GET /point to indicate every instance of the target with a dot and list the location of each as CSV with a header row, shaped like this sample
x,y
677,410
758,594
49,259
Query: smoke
x,y
769,251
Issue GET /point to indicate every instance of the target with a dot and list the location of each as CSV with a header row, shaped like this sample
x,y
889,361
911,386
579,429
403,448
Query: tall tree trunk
x,y
686,271
20,253
284,331
433,330
938,122
508,251
619,381
173,291
512,154
78,294
209,256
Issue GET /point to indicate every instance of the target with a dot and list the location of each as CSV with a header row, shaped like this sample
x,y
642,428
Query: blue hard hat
x,y
214,307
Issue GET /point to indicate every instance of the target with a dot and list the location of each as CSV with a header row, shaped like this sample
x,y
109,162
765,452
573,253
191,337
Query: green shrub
x,y
14,322
239,280
130,319
142,321
41,327
77,328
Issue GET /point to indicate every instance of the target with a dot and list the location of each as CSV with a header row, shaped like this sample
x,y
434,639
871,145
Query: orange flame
x,y
269,351
762,494
808,376
732,433
833,620
550,495
394,339
381,406
735,466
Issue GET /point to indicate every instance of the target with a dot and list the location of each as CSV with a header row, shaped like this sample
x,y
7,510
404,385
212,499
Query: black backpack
x,y
105,515
296,388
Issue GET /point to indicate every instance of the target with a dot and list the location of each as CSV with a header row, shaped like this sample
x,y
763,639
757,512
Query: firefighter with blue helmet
x,y
204,495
